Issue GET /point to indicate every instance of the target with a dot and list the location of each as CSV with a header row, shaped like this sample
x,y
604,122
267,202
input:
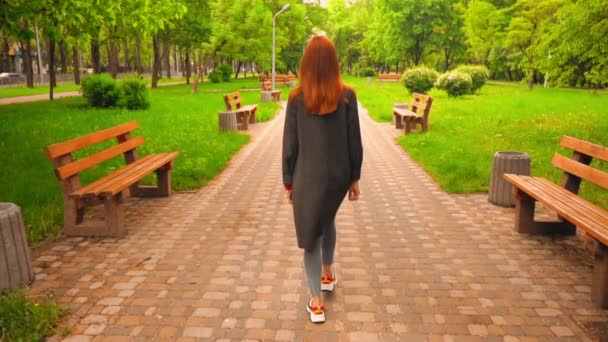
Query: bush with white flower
x,y
456,83
419,79
479,74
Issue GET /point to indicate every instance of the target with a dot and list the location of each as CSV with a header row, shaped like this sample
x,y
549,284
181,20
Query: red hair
x,y
320,78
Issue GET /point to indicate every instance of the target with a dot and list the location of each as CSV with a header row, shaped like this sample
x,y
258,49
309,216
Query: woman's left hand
x,y
289,198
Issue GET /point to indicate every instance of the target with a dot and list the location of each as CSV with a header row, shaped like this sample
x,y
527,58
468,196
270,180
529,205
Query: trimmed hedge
x,y
419,79
456,83
479,74
102,91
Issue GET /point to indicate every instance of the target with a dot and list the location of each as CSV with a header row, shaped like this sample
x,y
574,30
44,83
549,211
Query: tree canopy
x,y
563,41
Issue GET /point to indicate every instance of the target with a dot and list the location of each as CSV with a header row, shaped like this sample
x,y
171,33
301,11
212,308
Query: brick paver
x,y
414,263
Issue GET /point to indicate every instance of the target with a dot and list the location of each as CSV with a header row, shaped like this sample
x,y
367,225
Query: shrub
x,y
368,72
23,320
226,72
479,74
419,79
215,76
456,83
134,94
100,90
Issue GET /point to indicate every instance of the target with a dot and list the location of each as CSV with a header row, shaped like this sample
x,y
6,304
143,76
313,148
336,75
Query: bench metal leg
x,y
114,216
524,218
398,122
73,215
242,120
599,283
424,124
112,225
408,125
163,184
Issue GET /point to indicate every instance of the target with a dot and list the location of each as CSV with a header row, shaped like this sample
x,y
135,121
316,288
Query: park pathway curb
x,y
414,263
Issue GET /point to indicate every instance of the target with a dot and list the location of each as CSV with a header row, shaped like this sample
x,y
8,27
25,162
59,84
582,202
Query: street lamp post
x,y
285,8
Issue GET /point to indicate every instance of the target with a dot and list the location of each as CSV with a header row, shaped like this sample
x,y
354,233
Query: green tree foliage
x,y
419,79
579,45
455,83
532,21
483,26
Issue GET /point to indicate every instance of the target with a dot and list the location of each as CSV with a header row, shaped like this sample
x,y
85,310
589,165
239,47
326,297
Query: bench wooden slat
x,y
581,170
585,147
248,108
590,209
95,188
136,175
571,207
60,149
80,165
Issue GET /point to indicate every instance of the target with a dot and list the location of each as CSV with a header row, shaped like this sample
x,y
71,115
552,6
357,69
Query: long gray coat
x,y
322,155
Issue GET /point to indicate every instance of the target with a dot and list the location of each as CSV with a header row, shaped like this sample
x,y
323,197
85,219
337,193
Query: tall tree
x,y
483,26
579,46
525,34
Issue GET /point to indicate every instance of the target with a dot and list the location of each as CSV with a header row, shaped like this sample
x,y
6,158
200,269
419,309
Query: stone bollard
x,y
227,121
15,259
500,192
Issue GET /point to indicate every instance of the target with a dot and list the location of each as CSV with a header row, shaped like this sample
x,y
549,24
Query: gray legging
x,y
312,258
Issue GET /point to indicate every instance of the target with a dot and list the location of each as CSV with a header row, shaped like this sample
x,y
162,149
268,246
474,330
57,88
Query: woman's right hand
x,y
353,191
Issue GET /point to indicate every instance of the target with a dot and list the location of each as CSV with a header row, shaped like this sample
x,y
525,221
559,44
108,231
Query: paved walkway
x,y
414,264
58,95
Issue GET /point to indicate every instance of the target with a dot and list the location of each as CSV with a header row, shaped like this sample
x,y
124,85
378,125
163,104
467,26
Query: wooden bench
x,y
244,114
275,94
419,113
389,77
112,189
286,80
572,210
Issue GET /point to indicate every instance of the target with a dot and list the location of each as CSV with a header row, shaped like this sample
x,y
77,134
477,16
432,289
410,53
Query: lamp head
x,y
285,8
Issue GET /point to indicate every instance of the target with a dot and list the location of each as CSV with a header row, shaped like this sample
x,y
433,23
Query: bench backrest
x,y
389,76
67,169
577,167
421,104
233,100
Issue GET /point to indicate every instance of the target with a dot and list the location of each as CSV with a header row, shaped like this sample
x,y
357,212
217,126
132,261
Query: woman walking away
x,y
322,156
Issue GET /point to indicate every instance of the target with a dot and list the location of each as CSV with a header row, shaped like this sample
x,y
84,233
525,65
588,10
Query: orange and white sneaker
x,y
328,283
317,313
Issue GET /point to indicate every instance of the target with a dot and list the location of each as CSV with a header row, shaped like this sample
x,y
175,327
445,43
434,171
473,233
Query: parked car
x,y
11,78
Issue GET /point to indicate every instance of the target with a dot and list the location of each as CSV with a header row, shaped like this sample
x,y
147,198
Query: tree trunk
x,y
126,49
175,61
531,79
62,57
51,67
238,70
95,55
167,55
187,66
5,63
138,67
156,63
113,58
27,64
76,65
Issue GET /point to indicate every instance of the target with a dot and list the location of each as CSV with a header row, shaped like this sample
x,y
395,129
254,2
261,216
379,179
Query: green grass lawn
x,y
465,132
176,121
